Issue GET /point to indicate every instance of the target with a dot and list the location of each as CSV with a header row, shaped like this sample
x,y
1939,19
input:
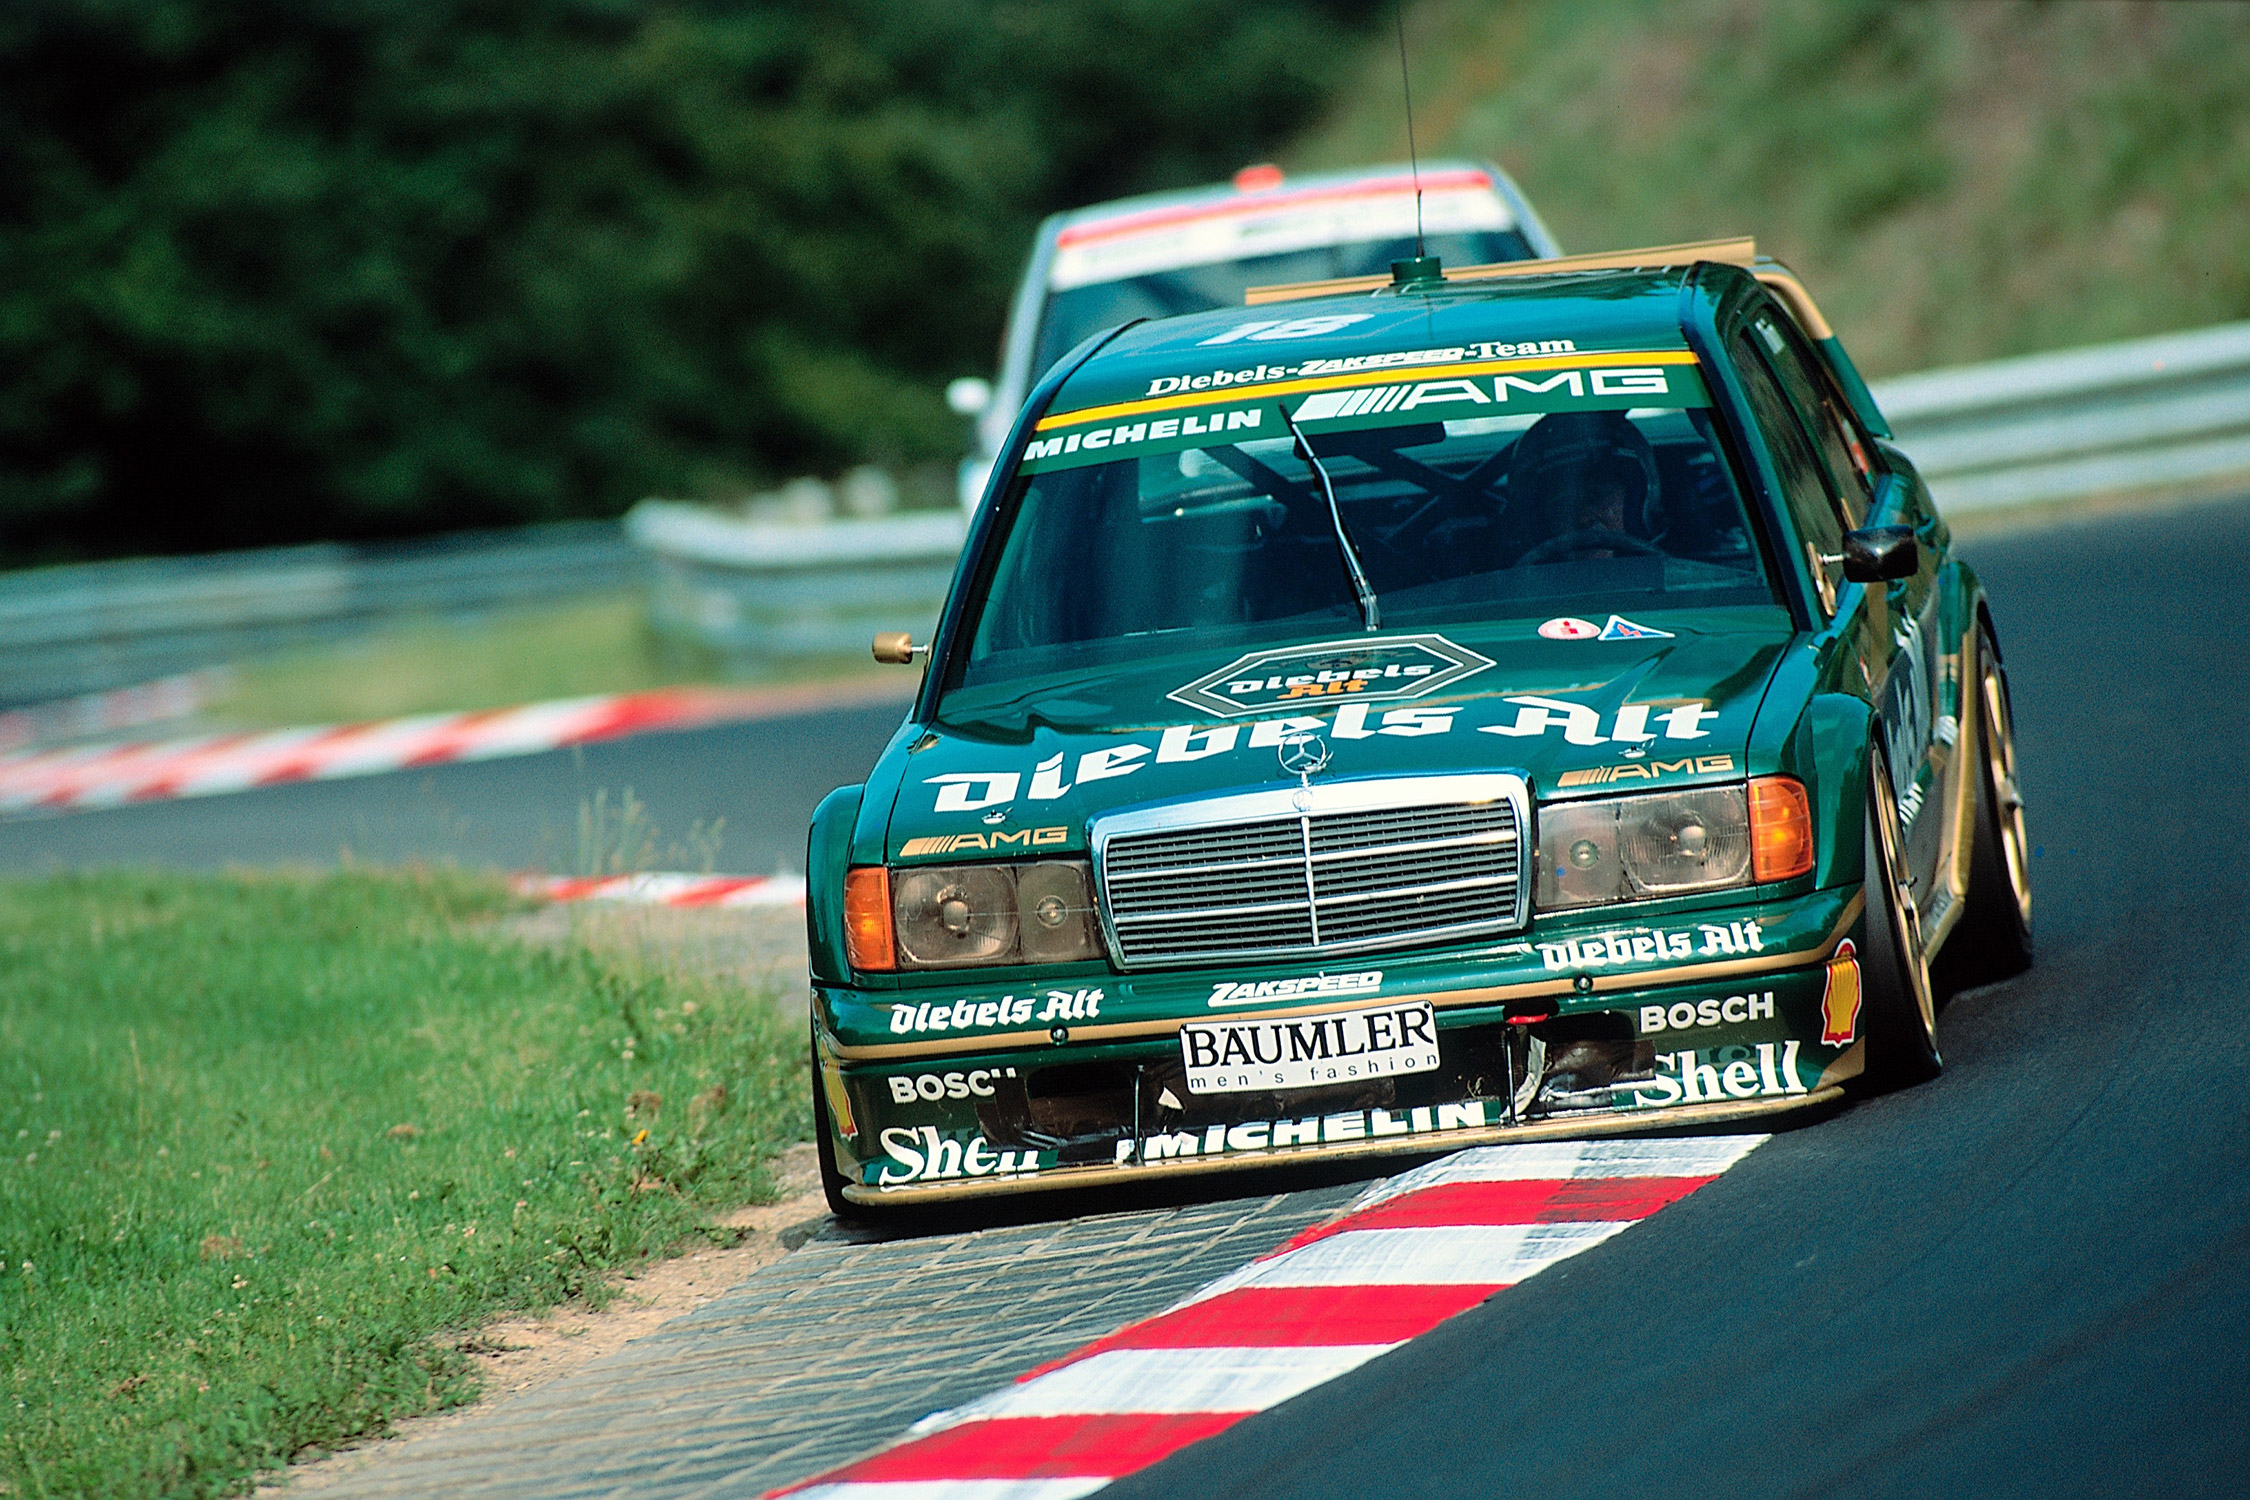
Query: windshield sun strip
x,y
1243,394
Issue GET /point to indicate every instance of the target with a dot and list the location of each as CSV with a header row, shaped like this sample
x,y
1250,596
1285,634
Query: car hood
x,y
1666,700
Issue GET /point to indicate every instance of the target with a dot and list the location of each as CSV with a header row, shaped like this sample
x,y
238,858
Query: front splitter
x,y
1577,1128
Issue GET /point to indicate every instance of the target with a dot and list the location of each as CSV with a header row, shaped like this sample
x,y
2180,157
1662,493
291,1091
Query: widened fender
x,y
828,848
1842,727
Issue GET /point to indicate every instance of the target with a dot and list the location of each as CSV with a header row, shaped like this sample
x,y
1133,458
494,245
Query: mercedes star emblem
x,y
1303,754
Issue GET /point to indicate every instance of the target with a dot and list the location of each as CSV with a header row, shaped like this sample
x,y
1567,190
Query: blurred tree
x,y
281,269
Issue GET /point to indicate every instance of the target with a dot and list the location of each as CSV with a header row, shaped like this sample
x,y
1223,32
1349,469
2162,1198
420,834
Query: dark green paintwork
x,y
1791,691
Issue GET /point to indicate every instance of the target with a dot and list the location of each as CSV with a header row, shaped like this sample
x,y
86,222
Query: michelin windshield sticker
x,y
1193,415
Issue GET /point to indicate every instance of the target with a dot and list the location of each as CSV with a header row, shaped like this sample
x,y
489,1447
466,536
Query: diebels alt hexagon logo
x,y
1379,669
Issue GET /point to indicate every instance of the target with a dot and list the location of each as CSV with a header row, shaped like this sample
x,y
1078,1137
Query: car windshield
x,y
1477,518
1072,314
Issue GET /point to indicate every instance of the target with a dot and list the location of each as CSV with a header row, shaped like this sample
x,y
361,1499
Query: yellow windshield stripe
x,y
1387,375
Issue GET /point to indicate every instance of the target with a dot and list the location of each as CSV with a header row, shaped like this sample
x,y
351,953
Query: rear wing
x,y
1740,251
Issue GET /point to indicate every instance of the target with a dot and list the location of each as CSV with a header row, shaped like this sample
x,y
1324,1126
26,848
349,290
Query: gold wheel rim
x,y
2000,770
1906,917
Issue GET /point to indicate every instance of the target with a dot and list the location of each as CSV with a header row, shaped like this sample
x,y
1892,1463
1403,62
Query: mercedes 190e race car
x,y
1526,701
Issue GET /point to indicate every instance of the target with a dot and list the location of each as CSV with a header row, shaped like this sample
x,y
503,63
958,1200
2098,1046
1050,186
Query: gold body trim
x,y
1432,1143
1846,1067
1783,283
1820,952
1960,830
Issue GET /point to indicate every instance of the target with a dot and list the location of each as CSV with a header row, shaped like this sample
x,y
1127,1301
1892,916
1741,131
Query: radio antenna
x,y
1413,157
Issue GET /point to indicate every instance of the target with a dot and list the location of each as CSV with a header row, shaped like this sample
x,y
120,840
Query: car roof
x,y
1394,177
1208,226
1576,311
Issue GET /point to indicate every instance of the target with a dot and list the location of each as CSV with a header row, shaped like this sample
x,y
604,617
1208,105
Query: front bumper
x,y
1699,1018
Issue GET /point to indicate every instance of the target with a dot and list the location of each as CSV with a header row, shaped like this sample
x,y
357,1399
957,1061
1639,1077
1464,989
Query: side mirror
x,y
1878,554
896,648
968,396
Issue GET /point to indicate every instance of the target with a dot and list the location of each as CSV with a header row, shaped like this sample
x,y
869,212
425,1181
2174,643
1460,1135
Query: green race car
x,y
1527,701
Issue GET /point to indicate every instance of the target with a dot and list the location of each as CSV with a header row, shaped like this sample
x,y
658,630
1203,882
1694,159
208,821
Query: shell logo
x,y
1839,1001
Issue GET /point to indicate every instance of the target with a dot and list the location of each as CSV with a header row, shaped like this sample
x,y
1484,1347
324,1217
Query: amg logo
x,y
1645,770
1364,401
991,843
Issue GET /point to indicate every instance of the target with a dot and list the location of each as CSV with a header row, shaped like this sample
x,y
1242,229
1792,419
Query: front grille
x,y
1365,865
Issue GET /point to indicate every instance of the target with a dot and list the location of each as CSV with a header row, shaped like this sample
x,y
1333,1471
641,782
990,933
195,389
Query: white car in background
x,y
1168,253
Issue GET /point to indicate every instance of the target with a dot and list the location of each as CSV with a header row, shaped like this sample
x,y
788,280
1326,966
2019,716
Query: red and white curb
x,y
113,775
110,712
657,888
1412,1252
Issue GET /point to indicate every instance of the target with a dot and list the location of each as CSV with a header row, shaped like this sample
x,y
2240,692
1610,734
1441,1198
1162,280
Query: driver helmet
x,y
1587,470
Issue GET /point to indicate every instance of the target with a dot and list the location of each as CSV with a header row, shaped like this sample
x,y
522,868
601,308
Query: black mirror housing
x,y
1878,554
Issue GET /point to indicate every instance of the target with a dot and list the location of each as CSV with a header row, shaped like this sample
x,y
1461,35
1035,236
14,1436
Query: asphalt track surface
x,y
2029,1277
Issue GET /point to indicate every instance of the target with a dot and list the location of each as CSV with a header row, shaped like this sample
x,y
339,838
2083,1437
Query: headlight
x,y
964,915
1055,906
959,916
1639,848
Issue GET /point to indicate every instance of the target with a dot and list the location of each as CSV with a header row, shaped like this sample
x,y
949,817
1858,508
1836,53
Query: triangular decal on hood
x,y
1621,629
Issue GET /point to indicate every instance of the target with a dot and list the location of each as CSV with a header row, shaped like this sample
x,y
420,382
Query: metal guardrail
x,y
84,628
2143,414
757,592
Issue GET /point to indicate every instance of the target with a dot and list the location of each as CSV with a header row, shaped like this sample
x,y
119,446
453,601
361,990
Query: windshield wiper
x,y
1369,608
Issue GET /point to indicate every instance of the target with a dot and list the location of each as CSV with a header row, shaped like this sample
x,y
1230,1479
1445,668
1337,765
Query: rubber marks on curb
x,y
90,776
1412,1252
657,888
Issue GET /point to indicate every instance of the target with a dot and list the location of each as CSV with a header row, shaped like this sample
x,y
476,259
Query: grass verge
x,y
593,645
1956,181
276,1145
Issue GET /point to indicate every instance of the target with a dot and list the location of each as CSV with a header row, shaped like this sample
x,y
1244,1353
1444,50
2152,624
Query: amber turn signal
x,y
867,919
1781,837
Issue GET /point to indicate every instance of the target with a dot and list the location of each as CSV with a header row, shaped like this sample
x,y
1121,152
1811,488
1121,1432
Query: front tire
x,y
1901,1005
1992,941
